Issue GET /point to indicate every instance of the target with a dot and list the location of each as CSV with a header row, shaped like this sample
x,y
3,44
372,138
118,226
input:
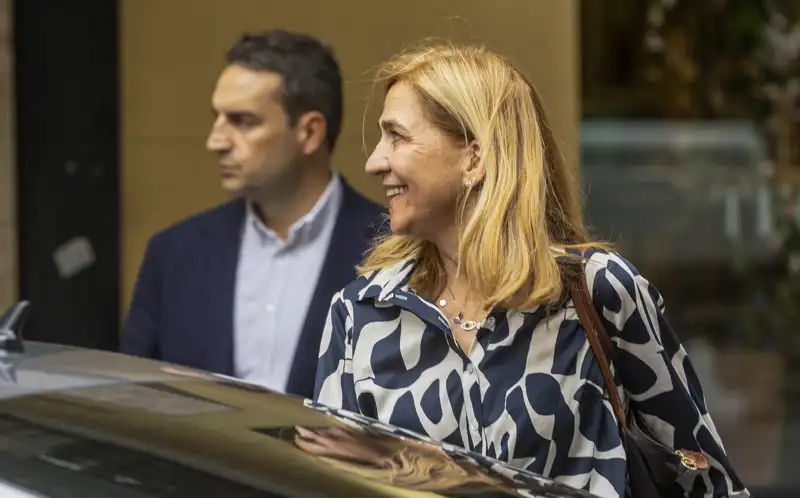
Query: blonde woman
x,y
460,326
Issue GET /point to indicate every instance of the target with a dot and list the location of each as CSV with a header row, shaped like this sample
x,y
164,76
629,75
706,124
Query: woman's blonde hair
x,y
527,206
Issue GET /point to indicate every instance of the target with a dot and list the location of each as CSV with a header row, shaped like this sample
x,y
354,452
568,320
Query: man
x,y
244,289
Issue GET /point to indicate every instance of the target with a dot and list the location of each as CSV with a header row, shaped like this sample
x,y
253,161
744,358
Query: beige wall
x,y
8,237
172,52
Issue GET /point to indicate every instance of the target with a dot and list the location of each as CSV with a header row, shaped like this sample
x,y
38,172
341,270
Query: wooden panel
x,y
8,235
172,53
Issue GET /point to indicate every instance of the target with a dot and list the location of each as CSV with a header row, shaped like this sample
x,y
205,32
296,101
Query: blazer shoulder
x,y
223,215
363,214
356,202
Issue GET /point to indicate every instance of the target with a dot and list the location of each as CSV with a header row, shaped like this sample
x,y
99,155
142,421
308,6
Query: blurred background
x,y
682,114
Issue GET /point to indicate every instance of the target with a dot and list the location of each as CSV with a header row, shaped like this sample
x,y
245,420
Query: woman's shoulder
x,y
600,262
616,283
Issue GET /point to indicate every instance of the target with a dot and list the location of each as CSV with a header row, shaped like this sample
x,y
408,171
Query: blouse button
x,y
489,322
470,368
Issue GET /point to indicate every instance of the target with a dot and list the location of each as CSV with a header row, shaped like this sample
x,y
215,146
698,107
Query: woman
x,y
460,326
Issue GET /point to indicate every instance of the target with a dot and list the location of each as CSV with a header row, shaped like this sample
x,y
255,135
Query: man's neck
x,y
280,210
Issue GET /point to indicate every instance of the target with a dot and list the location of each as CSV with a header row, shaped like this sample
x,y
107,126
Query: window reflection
x,y
411,463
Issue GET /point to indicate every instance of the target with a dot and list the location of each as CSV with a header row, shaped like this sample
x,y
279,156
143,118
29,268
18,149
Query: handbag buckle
x,y
692,460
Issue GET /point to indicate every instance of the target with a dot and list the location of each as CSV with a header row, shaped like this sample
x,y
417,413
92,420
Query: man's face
x,y
251,134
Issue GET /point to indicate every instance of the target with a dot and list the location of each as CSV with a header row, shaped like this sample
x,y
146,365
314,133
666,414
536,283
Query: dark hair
x,y
312,80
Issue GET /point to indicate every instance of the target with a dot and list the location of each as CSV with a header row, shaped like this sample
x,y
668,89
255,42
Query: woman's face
x,y
423,169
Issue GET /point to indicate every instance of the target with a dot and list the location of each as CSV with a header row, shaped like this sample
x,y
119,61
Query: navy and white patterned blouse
x,y
530,391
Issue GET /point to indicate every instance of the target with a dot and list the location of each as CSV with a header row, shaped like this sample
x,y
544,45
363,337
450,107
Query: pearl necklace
x,y
467,325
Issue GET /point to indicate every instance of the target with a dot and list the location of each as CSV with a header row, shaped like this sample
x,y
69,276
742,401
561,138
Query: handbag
x,y
653,467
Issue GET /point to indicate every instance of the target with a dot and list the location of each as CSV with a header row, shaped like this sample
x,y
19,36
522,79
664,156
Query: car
x,y
77,422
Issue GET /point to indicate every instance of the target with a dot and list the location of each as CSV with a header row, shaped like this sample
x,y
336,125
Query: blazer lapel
x,y
349,242
224,242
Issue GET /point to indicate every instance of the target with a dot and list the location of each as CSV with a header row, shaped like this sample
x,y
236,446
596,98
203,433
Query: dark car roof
x,y
134,427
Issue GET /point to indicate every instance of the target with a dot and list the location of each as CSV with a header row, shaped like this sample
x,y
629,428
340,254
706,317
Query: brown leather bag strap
x,y
599,340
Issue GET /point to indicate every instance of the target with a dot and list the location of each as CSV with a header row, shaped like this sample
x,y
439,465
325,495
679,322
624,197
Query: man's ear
x,y
311,130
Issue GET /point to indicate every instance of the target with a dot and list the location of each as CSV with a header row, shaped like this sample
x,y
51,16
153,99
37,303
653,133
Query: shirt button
x,y
474,426
490,322
470,368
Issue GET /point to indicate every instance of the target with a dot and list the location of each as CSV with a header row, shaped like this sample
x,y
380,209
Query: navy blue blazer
x,y
183,301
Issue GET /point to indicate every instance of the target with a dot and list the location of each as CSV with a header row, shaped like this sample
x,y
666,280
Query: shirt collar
x,y
312,223
383,284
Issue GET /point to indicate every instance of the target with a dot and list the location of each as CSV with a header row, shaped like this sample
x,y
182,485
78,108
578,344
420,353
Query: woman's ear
x,y
474,170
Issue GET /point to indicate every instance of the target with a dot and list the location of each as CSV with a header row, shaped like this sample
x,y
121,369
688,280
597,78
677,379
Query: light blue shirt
x,y
275,282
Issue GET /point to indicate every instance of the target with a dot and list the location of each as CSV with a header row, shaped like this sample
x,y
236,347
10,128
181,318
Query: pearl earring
x,y
468,183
